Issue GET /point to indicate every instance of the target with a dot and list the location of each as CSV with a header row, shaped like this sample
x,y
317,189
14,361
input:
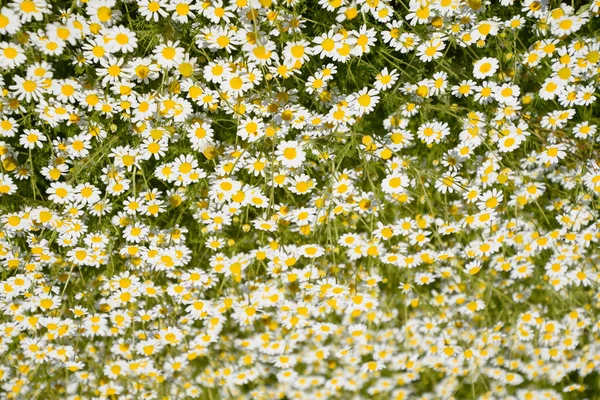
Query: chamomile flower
x,y
169,54
32,138
566,25
420,12
553,154
464,88
222,39
362,41
11,55
484,93
297,53
111,69
30,10
10,22
326,44
182,10
217,13
142,69
235,84
7,186
364,101
433,132
490,199
103,11
507,94
395,183
385,79
472,307
153,10
200,135
123,39
432,48
251,129
509,143
485,68
584,130
290,154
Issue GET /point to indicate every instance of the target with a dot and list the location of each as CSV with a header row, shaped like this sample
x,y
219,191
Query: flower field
x,y
299,199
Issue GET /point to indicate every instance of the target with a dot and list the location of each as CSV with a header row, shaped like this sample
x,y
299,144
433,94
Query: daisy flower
x,y
28,89
395,183
297,53
222,38
215,71
507,94
290,154
432,48
186,166
472,307
449,183
484,92
550,88
420,12
484,29
7,186
392,33
362,41
182,10
553,154
10,22
316,83
566,25
152,9
123,39
490,199
509,143
111,69
532,58
11,55
142,69
169,55
364,101
251,129
86,193
66,89
218,14
586,95
301,184
433,132
424,278
326,44
235,84
261,53
584,130
102,12
439,83
200,135
385,79
32,138
464,88
407,42
29,10
485,68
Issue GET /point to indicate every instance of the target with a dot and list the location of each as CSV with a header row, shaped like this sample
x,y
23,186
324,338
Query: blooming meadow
x,y
298,199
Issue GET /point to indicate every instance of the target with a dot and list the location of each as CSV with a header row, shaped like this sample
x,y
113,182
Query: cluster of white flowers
x,y
269,199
